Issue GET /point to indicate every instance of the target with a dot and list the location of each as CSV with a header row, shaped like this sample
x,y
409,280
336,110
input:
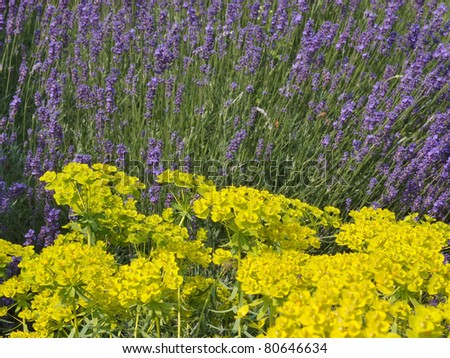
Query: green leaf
x,y
236,325
262,312
234,292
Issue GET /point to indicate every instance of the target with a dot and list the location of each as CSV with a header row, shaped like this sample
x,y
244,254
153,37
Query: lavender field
x,y
334,102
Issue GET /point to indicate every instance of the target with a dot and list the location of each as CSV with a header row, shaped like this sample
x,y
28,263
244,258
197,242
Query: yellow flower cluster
x,y
75,175
68,264
406,254
271,274
381,290
334,307
172,238
196,286
145,281
223,257
58,283
186,180
330,299
267,283
272,219
96,196
70,279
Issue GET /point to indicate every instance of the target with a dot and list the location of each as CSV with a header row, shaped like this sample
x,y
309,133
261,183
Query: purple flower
x,y
315,82
153,193
169,200
266,12
131,81
346,112
254,10
186,164
296,19
169,86
303,5
14,107
207,50
17,189
389,72
442,52
179,143
199,110
151,92
268,152
153,158
326,140
348,203
373,121
121,152
121,37
23,71
110,91
235,143
83,158
4,198
345,34
259,148
84,96
280,18
252,117
412,36
234,12
236,122
372,183
376,205
13,267
164,58
3,138
178,98
446,258
407,180
327,33
30,238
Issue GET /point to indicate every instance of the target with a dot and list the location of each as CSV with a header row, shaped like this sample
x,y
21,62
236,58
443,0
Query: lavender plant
x,y
341,103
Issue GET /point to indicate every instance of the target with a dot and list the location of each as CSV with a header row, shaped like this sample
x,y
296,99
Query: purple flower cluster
x,y
153,158
12,269
150,97
121,153
414,165
235,144
48,232
9,194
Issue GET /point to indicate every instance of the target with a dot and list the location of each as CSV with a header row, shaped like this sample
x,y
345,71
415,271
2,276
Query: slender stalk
x,y
158,327
179,312
136,325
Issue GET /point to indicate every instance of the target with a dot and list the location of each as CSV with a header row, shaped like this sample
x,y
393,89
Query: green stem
x,y
207,301
91,236
240,295
76,326
179,312
136,324
271,313
158,327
